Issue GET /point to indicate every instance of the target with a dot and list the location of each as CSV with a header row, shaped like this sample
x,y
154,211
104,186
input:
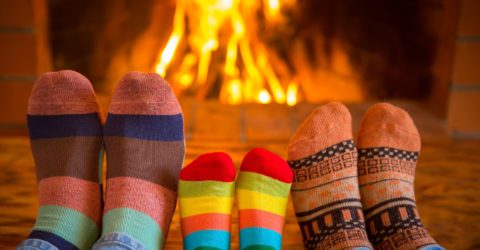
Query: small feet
x,y
388,146
263,186
325,191
206,192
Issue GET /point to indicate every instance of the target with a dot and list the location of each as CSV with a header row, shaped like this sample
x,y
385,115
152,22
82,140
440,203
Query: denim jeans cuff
x,y
36,244
117,241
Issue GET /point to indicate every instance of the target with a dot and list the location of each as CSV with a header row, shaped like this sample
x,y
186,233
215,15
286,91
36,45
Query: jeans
x,y
115,241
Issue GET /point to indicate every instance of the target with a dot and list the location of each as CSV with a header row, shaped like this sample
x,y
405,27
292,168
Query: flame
x,y
247,75
292,94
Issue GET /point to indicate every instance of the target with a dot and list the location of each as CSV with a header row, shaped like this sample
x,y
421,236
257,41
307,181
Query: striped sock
x,y
325,187
145,151
65,132
262,190
388,145
206,198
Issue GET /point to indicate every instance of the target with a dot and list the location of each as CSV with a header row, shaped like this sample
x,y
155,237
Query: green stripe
x,y
261,183
206,188
136,224
69,224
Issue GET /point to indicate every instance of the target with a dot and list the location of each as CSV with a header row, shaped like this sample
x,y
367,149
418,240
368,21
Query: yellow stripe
x,y
255,200
204,205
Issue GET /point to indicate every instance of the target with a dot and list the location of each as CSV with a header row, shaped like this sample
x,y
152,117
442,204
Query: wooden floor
x,y
447,183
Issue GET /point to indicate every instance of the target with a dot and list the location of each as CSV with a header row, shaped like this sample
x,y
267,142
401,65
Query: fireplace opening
x,y
270,51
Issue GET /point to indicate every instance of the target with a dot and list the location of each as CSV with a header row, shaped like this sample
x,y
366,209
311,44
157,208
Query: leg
x,y
388,144
145,151
325,187
65,132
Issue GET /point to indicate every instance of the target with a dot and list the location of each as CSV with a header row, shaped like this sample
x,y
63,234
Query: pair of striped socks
x,y
144,142
206,194
346,198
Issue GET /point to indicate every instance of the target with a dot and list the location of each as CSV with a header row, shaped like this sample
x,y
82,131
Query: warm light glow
x,y
292,94
208,28
264,97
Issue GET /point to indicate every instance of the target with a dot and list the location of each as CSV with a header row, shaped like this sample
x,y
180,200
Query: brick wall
x,y
464,100
24,54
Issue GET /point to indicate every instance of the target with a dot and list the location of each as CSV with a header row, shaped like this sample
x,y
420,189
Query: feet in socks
x,y
325,189
145,149
65,132
206,192
262,190
388,145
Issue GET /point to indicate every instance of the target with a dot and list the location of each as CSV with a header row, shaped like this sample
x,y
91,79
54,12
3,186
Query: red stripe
x,y
264,162
70,192
257,218
205,222
215,166
143,196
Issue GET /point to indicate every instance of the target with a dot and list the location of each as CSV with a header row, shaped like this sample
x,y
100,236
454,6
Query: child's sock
x,y
65,132
262,191
388,145
145,151
325,186
206,192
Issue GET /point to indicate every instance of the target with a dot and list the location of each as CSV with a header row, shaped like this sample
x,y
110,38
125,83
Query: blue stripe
x,y
53,239
207,238
260,236
145,127
55,126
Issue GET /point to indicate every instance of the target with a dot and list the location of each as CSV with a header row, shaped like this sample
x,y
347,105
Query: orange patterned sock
x,y
388,146
325,187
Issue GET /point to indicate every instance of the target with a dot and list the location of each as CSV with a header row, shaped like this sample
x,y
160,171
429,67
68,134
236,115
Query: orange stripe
x,y
205,222
143,196
70,192
258,218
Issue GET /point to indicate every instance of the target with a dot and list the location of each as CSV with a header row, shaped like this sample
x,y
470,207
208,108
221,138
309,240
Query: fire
x,y
205,29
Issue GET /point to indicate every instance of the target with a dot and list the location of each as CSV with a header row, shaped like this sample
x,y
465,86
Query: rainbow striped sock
x,y
65,133
262,195
145,151
206,193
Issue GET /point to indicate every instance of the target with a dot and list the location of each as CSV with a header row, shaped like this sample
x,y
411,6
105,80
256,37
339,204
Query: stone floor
x,y
447,183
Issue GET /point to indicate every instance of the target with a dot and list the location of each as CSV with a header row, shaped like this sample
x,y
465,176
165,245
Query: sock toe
x,y
385,125
327,125
144,93
62,92
264,162
215,166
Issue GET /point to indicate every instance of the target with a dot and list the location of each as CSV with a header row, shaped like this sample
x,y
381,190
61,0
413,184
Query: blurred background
x,y
248,72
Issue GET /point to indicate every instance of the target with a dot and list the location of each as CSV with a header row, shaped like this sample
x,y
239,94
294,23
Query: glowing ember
x,y
205,29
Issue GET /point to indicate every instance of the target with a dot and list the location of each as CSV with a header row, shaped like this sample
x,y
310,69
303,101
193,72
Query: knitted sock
x,y
65,133
388,144
262,191
206,192
145,151
325,187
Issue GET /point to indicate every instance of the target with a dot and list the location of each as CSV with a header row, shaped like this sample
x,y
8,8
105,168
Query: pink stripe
x,y
143,196
81,195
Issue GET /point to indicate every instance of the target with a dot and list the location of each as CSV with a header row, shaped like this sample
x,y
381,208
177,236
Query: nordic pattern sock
x,y
325,191
145,150
262,190
206,191
388,145
65,133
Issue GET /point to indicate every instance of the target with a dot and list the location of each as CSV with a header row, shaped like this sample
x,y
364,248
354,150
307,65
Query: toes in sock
x,y
65,132
325,191
206,191
262,190
145,149
388,145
